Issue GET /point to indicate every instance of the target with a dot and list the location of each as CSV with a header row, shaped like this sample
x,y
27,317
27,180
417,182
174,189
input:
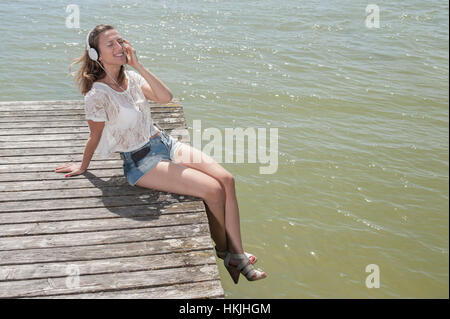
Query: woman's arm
x,y
91,145
89,150
154,90
73,169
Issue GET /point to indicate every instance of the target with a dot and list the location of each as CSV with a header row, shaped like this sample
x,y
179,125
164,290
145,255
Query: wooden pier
x,y
93,235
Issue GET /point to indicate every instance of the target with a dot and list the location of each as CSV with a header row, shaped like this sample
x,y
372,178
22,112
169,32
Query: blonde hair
x,y
90,71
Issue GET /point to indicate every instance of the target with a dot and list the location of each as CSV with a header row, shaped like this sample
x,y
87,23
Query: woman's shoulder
x,y
97,89
96,94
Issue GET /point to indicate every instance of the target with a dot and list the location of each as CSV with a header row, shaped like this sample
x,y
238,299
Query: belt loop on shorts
x,y
157,125
155,135
123,156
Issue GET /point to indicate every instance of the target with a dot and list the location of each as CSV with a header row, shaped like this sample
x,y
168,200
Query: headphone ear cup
x,y
93,54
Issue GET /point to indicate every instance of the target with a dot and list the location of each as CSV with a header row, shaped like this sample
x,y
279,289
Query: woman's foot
x,y
222,255
240,263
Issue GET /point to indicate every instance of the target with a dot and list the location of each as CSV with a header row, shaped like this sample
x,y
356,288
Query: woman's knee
x,y
226,180
214,192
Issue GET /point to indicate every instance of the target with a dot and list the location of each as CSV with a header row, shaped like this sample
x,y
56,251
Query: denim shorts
x,y
162,147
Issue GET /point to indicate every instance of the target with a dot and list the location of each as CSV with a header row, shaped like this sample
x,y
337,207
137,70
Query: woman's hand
x,y
73,169
131,54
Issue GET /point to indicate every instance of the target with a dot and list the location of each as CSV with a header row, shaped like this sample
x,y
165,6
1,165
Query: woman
x,y
119,119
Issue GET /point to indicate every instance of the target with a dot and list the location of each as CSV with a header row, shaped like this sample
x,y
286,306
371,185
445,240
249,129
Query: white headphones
x,y
91,51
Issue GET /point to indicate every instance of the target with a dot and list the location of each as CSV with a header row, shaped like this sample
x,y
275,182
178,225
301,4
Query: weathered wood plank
x,y
69,192
71,103
40,167
102,164
45,158
105,266
47,102
62,130
107,282
49,148
160,118
93,174
58,135
211,289
73,120
51,180
78,114
90,225
143,247
102,237
151,197
34,182
38,107
75,123
102,212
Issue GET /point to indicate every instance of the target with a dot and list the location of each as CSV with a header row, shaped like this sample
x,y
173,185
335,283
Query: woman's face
x,y
110,47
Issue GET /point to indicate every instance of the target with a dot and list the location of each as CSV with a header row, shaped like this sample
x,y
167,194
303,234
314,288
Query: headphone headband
x,y
91,51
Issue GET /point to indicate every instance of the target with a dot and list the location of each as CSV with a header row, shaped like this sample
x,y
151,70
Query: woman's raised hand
x,y
131,54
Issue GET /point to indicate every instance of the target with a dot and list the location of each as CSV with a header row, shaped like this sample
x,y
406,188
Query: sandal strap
x,y
245,267
227,259
222,254
242,257
251,273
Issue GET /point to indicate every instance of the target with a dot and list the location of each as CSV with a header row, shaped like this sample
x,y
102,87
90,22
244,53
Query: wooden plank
x,y
146,197
106,265
33,181
95,173
211,289
102,212
74,119
100,224
52,180
54,106
72,103
48,102
60,130
143,247
79,114
73,123
66,147
68,192
108,282
76,147
102,237
50,167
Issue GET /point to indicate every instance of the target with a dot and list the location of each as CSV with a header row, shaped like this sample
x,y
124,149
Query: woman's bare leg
x,y
175,178
194,158
217,227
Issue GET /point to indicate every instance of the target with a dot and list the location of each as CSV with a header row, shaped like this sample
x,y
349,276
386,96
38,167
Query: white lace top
x,y
127,126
